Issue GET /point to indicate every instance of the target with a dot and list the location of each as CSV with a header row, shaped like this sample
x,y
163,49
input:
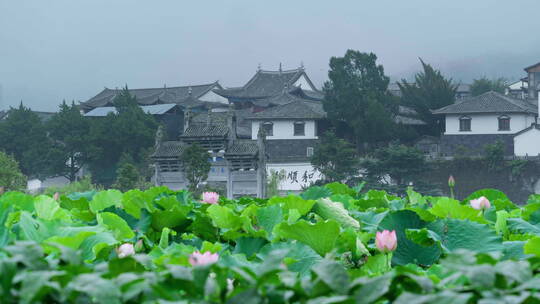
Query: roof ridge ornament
x,y
259,67
302,65
190,91
280,70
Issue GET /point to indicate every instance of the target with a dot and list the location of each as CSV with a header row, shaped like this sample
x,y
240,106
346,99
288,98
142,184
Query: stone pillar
x,y
261,163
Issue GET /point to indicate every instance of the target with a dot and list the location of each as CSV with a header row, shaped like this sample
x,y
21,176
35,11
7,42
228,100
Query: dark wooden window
x,y
268,128
464,124
299,128
504,123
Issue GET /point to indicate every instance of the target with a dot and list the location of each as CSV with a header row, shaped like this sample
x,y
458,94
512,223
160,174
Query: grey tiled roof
x,y
243,125
151,95
243,147
158,109
169,149
490,102
206,130
296,108
532,66
264,84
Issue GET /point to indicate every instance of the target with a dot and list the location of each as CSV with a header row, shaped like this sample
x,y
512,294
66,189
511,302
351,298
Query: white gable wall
x,y
284,129
213,97
527,143
304,84
488,123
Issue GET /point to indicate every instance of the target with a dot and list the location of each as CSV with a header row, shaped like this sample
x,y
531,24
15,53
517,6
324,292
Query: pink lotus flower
x,y
386,241
200,259
56,196
125,250
480,203
210,197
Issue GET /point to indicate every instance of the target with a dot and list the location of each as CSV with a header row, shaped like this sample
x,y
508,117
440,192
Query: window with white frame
x,y
299,128
464,124
268,128
309,151
504,123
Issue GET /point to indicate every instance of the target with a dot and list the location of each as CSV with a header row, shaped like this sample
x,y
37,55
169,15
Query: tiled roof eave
x,y
283,118
483,112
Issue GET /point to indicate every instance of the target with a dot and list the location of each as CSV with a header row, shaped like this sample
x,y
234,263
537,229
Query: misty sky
x,y
65,49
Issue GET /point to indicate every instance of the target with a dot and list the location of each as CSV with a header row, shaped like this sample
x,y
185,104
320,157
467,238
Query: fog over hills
x,y
62,49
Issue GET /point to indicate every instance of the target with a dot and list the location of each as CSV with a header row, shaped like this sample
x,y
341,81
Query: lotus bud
x,y
125,250
386,241
451,181
56,196
480,203
200,259
210,197
138,246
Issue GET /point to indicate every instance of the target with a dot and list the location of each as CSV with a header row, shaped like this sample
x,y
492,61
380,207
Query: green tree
x,y
494,155
430,91
484,84
127,175
401,163
71,148
356,94
22,135
130,131
335,158
195,165
11,178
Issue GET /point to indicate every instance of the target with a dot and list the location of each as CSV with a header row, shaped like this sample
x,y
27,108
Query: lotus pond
x,y
331,244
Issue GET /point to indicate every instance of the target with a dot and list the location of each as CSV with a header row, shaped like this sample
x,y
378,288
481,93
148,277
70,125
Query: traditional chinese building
x,y
237,165
181,95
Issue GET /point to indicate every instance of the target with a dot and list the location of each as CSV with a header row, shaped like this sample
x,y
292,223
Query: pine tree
x,y
356,94
71,150
130,131
430,91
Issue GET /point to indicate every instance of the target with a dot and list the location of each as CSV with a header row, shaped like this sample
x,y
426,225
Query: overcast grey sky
x,y
67,49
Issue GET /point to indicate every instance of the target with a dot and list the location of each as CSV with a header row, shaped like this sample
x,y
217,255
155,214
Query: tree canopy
x,y
71,150
356,94
23,135
335,158
11,178
484,84
130,131
401,163
195,165
430,91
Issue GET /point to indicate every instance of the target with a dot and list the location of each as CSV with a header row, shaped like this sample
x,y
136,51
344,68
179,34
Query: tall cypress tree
x,y
69,131
130,131
430,91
